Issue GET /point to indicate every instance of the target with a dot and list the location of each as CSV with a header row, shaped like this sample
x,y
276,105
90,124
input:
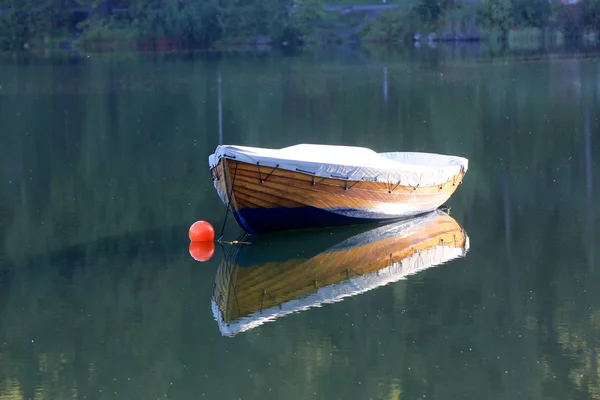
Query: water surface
x,y
103,166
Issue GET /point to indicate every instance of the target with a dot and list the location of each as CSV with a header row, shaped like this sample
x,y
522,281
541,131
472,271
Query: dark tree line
x,y
192,22
206,23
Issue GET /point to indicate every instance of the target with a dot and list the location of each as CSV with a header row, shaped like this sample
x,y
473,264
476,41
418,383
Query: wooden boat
x,y
318,185
288,272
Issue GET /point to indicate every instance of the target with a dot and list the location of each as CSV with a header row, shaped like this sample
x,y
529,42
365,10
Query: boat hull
x,y
264,199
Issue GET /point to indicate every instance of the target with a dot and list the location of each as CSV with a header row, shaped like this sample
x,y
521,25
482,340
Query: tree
x,y
531,12
431,10
497,14
590,13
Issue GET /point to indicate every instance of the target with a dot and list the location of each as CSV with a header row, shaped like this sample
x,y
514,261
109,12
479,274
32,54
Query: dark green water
x,y
103,167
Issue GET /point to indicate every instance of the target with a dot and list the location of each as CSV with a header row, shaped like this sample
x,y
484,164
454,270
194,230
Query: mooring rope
x,y
233,242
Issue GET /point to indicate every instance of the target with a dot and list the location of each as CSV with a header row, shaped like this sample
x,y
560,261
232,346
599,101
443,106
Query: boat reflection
x,y
284,273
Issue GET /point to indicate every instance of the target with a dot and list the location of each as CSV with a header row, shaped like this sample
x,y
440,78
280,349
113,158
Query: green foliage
x,y
341,20
20,26
402,24
303,20
192,23
574,20
497,14
461,23
205,23
533,13
590,14
234,21
432,10
392,26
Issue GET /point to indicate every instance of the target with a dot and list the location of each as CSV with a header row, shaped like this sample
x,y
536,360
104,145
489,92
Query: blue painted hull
x,y
261,220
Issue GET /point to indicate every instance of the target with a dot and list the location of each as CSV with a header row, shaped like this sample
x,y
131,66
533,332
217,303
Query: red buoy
x,y
202,251
202,231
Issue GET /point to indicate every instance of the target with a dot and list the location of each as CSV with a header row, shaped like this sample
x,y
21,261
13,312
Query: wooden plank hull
x,y
278,275
271,199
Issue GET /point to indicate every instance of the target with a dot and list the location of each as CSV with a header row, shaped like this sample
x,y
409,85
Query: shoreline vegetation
x,y
265,24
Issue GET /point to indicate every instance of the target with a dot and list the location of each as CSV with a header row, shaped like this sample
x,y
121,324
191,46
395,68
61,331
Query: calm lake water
x,y
103,167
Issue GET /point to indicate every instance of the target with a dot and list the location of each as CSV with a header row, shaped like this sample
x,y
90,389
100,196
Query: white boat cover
x,y
431,257
351,163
